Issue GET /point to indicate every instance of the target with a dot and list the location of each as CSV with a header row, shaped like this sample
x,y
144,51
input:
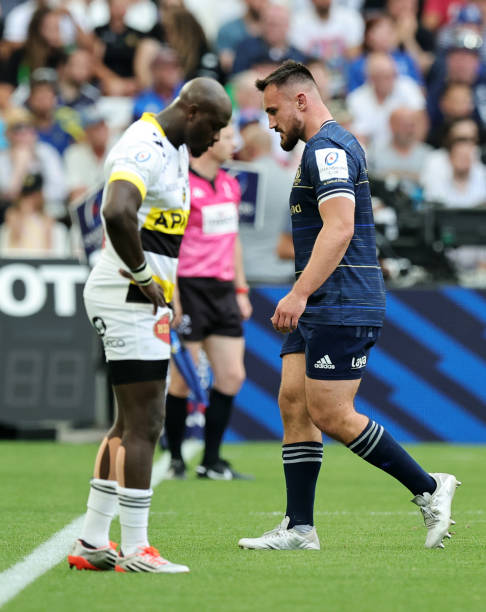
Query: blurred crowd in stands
x,y
407,77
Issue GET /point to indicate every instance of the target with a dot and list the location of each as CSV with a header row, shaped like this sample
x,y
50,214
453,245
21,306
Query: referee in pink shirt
x,y
213,296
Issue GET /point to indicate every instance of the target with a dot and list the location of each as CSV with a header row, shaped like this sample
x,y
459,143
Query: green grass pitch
x,y
372,555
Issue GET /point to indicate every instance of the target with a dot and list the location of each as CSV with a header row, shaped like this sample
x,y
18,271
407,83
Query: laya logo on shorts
x,y
143,156
358,362
162,329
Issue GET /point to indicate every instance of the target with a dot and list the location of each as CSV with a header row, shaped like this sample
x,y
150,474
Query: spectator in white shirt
x,y
454,176
384,91
404,156
28,231
18,20
26,155
331,32
84,160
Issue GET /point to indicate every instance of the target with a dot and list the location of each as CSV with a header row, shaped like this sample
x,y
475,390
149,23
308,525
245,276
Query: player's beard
x,y
291,138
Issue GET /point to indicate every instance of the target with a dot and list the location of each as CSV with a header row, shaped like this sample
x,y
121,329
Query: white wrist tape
x,y
143,274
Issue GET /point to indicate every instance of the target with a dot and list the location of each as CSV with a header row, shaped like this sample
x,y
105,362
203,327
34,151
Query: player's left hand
x,y
152,291
287,313
244,305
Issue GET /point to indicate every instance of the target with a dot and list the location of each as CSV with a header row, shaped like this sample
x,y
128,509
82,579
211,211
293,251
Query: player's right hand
x,y
153,291
287,314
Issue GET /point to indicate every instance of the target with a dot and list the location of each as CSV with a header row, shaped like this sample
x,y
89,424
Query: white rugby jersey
x,y
145,157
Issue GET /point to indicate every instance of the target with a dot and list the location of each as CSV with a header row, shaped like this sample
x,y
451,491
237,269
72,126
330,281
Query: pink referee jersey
x,y
207,249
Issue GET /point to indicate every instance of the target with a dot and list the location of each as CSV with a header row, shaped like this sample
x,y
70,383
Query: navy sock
x,y
218,415
301,462
175,423
376,446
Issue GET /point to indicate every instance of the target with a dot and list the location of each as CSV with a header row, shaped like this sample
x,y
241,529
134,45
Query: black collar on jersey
x,y
212,183
326,122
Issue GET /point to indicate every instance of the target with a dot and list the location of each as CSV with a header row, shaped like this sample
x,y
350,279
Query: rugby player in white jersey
x,y
145,210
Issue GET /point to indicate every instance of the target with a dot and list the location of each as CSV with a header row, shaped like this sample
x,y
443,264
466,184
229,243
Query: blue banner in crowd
x,y
88,219
251,181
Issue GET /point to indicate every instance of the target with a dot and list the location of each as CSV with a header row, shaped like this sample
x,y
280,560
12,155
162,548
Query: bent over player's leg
x,y
142,406
302,458
102,498
93,550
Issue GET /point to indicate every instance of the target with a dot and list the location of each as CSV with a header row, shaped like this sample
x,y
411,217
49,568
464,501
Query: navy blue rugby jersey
x,y
333,164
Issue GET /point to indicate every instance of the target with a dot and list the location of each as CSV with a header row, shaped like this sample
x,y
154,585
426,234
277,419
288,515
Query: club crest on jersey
x,y
162,329
331,158
143,156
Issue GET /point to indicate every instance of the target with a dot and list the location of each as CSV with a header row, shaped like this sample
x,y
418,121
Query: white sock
x,y
134,507
303,528
100,512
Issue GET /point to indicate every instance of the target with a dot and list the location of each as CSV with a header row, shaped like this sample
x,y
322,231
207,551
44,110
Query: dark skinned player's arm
x,y
120,214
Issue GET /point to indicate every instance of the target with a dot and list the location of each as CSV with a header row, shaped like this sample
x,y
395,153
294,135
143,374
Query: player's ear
x,y
301,101
192,111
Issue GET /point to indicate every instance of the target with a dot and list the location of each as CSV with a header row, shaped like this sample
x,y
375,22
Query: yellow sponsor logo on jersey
x,y
167,221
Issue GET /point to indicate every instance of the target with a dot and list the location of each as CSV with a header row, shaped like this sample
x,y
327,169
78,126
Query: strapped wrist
x,y
142,275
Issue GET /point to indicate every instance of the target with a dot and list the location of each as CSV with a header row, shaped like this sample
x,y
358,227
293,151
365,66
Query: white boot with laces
x,y
283,538
436,509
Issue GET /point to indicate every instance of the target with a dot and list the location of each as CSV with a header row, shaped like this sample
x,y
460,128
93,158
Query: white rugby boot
x,y
148,559
282,538
85,557
436,509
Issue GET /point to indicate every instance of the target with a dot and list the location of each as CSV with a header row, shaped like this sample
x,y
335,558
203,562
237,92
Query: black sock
x,y
376,446
175,423
301,462
218,414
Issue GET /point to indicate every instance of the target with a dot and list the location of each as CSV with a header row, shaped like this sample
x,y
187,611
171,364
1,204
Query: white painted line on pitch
x,y
54,550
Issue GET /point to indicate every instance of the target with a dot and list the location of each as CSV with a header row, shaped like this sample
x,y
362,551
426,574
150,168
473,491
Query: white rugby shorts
x,y
131,331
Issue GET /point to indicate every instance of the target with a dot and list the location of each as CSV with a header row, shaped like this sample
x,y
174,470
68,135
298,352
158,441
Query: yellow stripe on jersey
x,y
131,177
150,118
167,287
167,221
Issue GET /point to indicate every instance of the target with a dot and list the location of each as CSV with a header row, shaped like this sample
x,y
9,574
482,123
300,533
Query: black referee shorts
x,y
210,308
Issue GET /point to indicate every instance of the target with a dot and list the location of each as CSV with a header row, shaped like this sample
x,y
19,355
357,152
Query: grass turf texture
x,y
372,555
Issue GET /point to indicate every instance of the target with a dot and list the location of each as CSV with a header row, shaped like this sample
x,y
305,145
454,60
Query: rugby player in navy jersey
x,y
332,315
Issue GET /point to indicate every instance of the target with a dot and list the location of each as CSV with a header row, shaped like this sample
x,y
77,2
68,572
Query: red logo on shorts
x,y
162,329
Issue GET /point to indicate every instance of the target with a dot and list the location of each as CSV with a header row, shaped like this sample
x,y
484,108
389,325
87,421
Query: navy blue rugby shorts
x,y
332,352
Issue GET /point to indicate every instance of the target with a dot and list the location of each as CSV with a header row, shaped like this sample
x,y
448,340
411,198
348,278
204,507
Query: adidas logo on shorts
x,y
325,363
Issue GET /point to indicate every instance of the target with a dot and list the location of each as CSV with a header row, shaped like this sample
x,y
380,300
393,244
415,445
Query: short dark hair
x,y
289,71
